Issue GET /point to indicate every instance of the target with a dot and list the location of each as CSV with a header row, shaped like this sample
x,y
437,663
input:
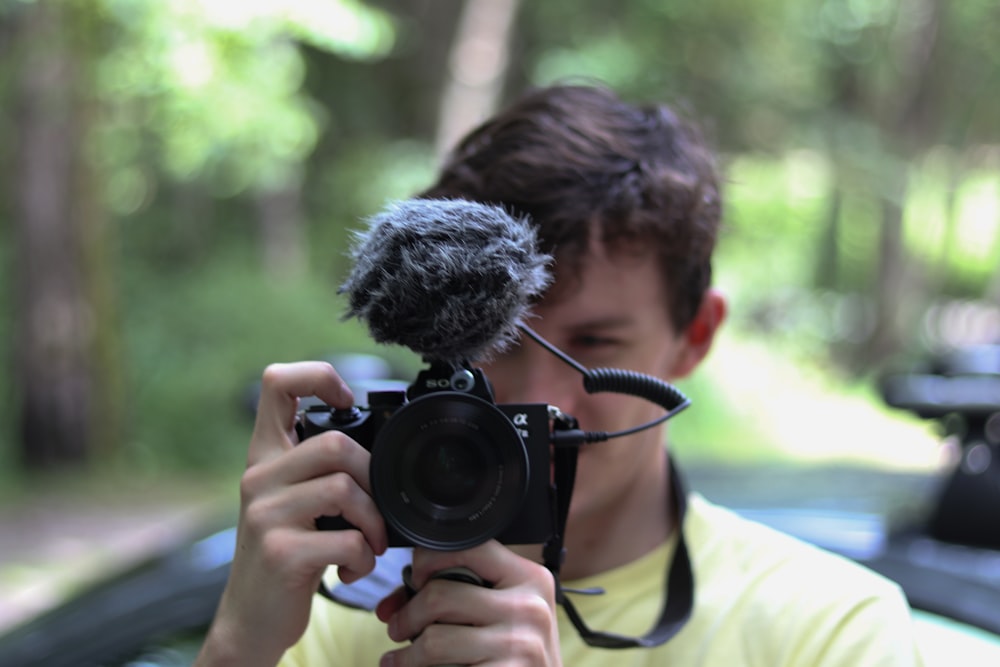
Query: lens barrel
x,y
449,471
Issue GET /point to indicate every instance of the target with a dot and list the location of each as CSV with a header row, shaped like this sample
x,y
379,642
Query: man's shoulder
x,y
798,603
732,547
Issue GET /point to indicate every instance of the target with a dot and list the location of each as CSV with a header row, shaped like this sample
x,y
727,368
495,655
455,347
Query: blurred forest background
x,y
178,178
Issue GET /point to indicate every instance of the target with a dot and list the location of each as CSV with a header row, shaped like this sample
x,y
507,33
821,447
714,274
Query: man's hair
x,y
583,164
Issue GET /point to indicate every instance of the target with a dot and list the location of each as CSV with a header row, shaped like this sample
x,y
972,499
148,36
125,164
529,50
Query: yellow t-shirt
x,y
762,599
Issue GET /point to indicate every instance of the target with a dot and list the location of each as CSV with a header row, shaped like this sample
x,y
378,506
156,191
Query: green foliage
x,y
198,340
358,184
202,105
954,228
756,400
748,66
216,87
202,318
778,209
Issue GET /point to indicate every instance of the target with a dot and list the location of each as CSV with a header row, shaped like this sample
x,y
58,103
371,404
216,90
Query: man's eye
x,y
592,342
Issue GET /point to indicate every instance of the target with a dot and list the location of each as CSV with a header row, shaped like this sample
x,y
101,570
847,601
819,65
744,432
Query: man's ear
x,y
697,339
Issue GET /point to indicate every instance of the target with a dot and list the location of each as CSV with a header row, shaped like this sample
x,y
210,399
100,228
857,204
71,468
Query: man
x,y
626,200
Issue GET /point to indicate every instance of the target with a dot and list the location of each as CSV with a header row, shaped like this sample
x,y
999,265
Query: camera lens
x,y
448,471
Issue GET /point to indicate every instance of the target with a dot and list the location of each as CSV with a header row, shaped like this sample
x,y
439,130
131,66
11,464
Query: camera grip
x,y
333,523
460,574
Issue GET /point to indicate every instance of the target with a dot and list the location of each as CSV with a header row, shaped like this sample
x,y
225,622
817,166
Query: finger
x,y
391,604
332,495
281,387
310,552
491,561
326,475
323,454
452,645
449,602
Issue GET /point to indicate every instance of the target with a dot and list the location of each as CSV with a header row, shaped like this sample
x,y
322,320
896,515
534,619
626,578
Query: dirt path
x,y
53,544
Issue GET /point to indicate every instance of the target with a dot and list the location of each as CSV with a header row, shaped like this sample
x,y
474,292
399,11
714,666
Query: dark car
x,y
947,560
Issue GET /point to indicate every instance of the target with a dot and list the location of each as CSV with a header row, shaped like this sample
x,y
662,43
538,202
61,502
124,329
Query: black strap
x,y
678,598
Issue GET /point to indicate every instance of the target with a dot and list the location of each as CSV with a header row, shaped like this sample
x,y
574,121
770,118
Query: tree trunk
x,y
908,113
827,274
890,286
102,336
477,67
282,230
939,271
53,321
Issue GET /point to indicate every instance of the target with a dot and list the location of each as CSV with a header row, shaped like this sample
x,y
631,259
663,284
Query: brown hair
x,y
579,161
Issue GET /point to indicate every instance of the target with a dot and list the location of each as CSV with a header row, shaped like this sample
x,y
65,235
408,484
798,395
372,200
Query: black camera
x,y
450,468
961,388
964,382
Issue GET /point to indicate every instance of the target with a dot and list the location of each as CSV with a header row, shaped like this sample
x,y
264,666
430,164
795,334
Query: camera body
x,y
962,389
962,382
450,468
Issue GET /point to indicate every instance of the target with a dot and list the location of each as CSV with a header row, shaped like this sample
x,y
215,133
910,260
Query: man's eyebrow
x,y
603,323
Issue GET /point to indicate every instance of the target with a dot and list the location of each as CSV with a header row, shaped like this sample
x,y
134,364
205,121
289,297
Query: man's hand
x,y
450,622
280,556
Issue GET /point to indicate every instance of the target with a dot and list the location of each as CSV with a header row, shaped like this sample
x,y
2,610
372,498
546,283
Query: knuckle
x,y
544,584
434,643
327,369
354,541
274,550
272,374
250,483
339,491
337,484
256,517
535,612
333,445
333,449
528,646
435,599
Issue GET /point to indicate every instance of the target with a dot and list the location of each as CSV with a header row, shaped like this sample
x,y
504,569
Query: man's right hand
x,y
280,555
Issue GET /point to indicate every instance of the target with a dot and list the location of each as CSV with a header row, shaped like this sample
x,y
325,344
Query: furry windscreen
x,y
449,279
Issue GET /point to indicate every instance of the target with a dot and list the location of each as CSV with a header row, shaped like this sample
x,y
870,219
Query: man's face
x,y
615,316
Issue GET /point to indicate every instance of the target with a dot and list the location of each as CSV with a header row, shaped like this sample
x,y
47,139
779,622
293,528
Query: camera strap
x,y
678,595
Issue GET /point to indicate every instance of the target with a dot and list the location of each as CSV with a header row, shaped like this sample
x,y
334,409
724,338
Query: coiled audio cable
x,y
618,381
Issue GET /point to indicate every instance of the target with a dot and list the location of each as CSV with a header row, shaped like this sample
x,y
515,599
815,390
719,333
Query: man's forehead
x,y
569,270
604,284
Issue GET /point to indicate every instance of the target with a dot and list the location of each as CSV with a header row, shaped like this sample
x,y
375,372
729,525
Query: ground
x,y
55,540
